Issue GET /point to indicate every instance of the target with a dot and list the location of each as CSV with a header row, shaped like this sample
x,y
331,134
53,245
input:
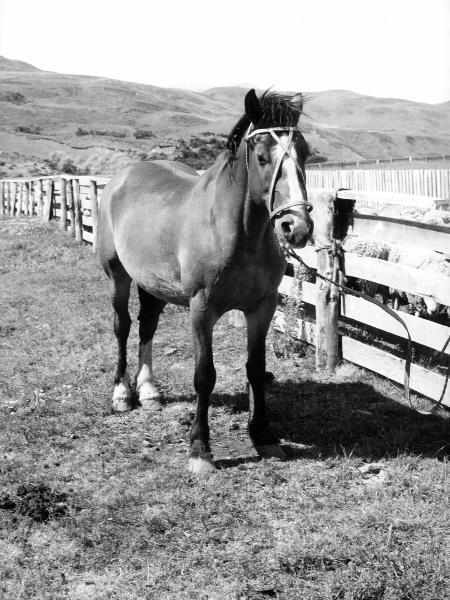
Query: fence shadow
x,y
324,419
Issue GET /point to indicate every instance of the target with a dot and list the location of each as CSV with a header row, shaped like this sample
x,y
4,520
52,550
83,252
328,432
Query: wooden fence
x,y
331,306
431,183
74,201
440,161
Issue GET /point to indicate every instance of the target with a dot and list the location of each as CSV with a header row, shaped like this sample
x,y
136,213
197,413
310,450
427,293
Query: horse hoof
x,y
121,404
201,465
271,451
150,404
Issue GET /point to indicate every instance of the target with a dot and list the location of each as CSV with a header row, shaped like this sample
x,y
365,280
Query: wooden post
x,y
30,196
21,206
331,222
63,213
38,192
2,197
12,197
94,213
26,198
77,210
47,212
6,194
70,205
327,343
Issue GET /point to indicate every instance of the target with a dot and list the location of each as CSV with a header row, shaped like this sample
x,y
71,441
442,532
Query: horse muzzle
x,y
294,231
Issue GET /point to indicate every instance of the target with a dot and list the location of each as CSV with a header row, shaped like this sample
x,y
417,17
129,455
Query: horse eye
x,y
261,159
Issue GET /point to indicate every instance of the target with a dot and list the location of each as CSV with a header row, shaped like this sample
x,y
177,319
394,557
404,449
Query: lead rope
x,y
338,252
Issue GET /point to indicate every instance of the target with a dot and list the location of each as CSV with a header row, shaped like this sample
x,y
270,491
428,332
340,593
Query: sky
x,y
387,48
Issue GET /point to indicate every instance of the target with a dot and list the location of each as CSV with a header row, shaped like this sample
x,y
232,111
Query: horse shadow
x,y
321,420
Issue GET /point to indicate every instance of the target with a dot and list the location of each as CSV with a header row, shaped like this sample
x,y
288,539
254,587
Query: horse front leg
x,y
119,288
266,442
203,319
151,308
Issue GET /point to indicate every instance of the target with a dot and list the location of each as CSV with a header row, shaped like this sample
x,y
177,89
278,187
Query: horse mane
x,y
278,110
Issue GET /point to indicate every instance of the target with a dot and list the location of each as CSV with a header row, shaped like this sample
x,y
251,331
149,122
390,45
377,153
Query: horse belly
x,y
160,280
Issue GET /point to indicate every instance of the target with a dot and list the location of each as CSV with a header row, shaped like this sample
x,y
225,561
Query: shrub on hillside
x,y
199,153
140,134
62,164
110,133
81,131
14,97
157,156
102,132
34,129
316,157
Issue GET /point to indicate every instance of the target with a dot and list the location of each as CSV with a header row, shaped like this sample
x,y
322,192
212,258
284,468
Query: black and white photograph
x,y
225,300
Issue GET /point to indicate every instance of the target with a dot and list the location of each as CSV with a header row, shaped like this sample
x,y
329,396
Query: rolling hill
x,y
101,124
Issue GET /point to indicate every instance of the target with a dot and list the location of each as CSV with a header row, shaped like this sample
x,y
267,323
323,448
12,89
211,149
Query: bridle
x,y
251,133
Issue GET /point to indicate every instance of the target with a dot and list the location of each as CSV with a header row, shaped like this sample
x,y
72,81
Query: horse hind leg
x,y
149,313
119,287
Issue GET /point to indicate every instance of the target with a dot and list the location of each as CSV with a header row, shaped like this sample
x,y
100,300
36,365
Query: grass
x,y
359,511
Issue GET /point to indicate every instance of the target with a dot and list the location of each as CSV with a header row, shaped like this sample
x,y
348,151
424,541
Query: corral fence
x,y
426,184
74,201
436,160
71,200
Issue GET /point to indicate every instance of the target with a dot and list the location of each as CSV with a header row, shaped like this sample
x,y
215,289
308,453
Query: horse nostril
x,y
286,227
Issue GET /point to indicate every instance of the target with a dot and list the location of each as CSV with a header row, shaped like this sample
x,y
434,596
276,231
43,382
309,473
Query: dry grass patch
x,y
359,511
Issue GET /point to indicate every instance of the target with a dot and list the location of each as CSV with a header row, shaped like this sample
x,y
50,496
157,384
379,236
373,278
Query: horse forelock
x,y
278,110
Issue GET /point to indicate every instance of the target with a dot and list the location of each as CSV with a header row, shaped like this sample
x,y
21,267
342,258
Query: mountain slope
x,y
95,119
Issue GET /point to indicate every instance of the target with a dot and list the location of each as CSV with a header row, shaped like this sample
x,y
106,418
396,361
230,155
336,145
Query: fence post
x,y
94,213
331,222
71,211
12,197
38,191
26,198
327,307
77,210
63,217
47,212
2,190
323,202
30,196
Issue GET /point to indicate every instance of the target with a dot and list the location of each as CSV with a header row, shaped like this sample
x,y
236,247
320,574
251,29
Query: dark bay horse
x,y
212,243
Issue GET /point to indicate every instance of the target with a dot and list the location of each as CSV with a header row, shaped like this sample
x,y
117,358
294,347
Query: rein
x,y
338,252
251,133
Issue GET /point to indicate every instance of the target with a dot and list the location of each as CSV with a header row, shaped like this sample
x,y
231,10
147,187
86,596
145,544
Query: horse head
x,y
276,154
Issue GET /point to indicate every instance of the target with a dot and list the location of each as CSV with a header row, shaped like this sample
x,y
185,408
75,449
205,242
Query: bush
x,y
14,97
199,153
34,129
107,132
62,164
140,134
316,157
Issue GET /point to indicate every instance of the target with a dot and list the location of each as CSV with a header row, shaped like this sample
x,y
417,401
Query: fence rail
x,y
377,163
434,183
331,305
74,201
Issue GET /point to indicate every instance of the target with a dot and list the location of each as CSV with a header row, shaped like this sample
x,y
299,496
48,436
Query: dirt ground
x,y
96,505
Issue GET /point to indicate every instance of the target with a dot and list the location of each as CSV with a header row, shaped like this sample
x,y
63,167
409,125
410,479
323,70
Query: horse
x,y
212,243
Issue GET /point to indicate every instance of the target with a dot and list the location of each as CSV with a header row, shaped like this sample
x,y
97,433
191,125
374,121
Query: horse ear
x,y
253,108
297,101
